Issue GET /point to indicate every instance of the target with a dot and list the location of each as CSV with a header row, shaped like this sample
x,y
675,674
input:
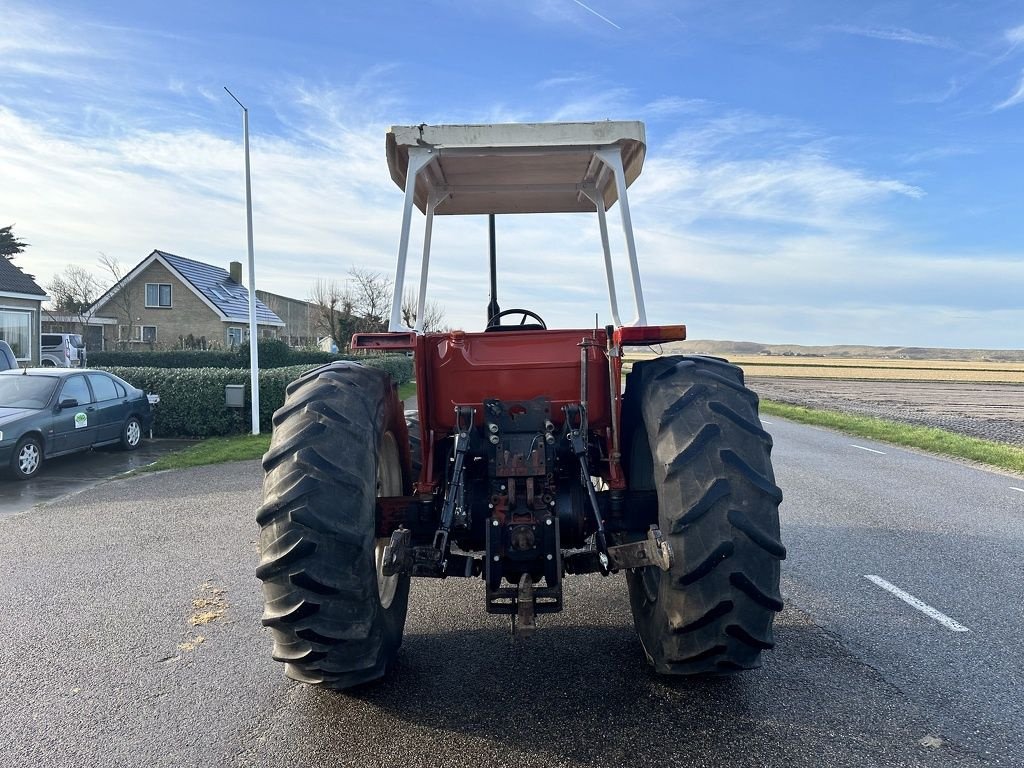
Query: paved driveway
x,y
68,474
130,636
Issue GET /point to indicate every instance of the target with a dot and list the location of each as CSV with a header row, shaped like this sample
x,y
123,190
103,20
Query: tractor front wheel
x,y
337,621
694,437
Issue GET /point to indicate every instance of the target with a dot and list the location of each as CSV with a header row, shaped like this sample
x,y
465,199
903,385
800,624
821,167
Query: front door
x,y
74,426
111,409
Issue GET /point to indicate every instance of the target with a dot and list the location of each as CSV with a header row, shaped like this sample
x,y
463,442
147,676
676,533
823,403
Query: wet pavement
x,y
78,471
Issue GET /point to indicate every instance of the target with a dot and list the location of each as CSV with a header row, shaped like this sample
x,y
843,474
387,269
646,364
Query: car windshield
x,y
23,391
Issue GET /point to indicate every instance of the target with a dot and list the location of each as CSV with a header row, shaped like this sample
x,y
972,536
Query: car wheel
x,y
27,458
131,434
49,364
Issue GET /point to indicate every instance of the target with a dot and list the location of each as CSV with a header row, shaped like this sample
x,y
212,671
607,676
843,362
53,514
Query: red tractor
x,y
524,462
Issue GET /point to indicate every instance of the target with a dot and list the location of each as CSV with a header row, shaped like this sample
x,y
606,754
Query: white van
x,y
62,350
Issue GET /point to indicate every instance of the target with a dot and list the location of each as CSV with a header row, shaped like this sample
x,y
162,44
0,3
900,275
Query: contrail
x,y
602,18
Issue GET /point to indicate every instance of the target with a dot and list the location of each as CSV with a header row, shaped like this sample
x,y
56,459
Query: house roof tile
x,y
216,285
13,280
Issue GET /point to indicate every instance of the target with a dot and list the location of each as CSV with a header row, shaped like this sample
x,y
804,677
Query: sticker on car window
x,y
81,420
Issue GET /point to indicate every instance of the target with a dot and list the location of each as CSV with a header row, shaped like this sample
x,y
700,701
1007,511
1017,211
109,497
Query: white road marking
x,y
923,607
872,450
1015,488
766,422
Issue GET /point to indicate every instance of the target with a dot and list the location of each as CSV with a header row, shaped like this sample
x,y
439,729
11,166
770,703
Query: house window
x,y
144,333
158,294
234,337
16,330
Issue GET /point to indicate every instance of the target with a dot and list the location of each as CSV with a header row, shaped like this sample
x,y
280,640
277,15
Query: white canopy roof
x,y
516,168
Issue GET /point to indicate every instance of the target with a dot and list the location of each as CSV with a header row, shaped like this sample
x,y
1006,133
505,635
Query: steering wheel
x,y
494,325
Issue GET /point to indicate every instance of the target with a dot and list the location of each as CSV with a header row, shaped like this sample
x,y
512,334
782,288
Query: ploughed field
x,y
977,398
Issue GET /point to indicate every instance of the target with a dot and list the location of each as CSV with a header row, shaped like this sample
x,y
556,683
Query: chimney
x,y
235,268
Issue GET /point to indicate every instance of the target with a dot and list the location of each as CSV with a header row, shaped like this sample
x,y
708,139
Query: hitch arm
x,y
453,498
576,434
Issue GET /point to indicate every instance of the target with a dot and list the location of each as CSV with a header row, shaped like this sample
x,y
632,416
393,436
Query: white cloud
x,y
571,81
938,153
794,227
674,105
600,104
747,225
183,192
937,97
1015,35
29,33
753,169
896,34
1014,98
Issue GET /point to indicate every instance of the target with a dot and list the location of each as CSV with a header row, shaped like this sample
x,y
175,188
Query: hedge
x,y
273,353
192,399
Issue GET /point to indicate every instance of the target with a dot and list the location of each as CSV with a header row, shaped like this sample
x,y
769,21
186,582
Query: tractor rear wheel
x,y
336,620
692,435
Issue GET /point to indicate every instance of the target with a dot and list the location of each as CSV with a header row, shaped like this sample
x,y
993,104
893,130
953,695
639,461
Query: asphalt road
x,y
76,471
130,636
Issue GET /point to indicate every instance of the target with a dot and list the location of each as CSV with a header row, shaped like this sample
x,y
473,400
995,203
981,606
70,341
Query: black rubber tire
x,y
15,468
339,427
131,440
692,434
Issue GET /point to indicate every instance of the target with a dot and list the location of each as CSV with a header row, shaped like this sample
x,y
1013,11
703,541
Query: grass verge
x,y
929,439
214,450
407,390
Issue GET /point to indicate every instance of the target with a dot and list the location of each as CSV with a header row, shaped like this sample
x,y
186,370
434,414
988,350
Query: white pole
x,y
254,362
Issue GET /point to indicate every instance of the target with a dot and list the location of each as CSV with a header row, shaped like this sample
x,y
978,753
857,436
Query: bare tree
x,y
332,311
370,294
73,291
122,298
362,304
433,313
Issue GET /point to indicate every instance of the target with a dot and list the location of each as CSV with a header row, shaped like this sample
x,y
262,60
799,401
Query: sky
x,y
816,172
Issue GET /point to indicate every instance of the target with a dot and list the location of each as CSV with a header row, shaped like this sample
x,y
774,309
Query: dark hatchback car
x,y
47,412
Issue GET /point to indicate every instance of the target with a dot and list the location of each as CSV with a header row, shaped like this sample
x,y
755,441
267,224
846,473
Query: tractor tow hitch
x,y
401,558
524,620
653,550
436,560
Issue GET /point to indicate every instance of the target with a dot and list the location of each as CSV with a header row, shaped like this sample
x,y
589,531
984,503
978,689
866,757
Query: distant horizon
x,y
1015,350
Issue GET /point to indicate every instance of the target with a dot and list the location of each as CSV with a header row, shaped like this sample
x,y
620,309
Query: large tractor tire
x,y
339,442
692,435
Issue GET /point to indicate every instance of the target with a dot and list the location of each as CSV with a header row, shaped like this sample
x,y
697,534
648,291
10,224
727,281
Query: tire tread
x,y
317,525
718,504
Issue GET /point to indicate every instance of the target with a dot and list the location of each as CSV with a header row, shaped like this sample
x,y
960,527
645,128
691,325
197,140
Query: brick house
x,y
300,318
169,302
21,302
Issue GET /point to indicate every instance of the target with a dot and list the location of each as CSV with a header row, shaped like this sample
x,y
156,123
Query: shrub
x,y
192,399
273,353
